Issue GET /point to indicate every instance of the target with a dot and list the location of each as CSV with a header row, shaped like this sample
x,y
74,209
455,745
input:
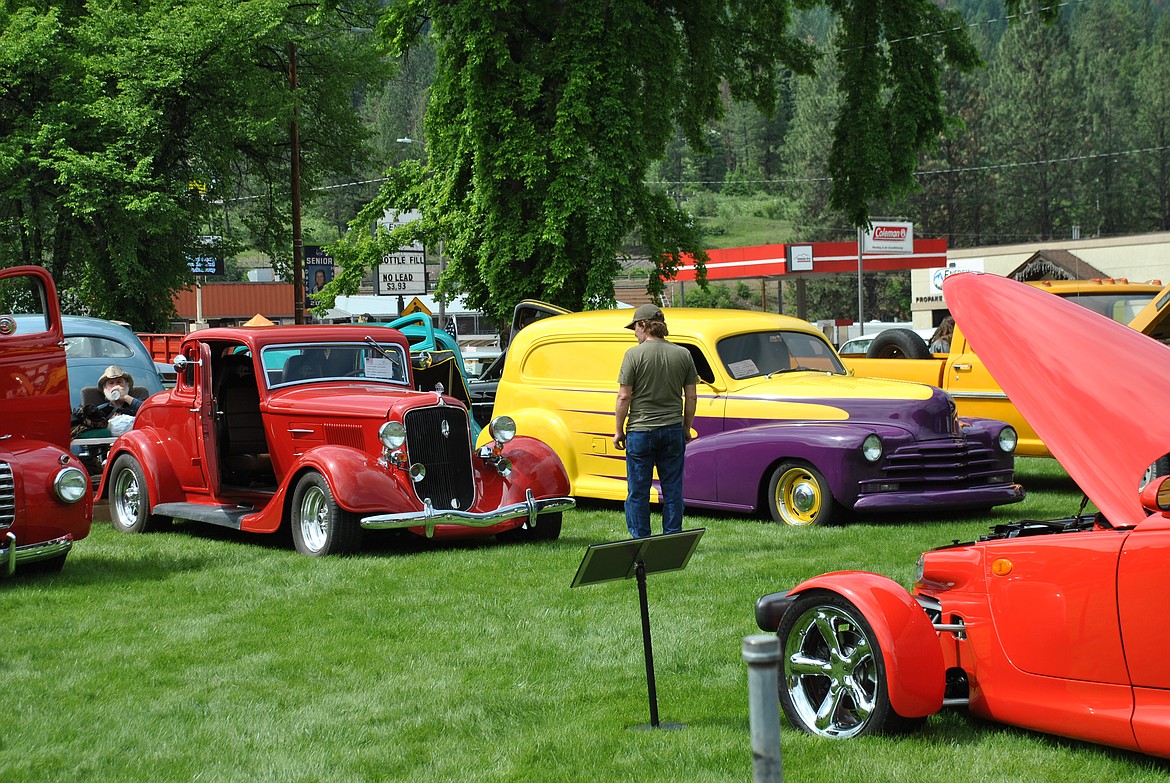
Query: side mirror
x,y
1156,495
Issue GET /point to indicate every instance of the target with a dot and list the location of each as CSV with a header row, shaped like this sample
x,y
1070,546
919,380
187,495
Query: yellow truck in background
x,y
902,354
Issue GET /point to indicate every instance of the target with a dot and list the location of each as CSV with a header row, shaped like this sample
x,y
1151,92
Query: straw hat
x,y
112,373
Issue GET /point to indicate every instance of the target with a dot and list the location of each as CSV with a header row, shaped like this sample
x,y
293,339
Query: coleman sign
x,y
887,237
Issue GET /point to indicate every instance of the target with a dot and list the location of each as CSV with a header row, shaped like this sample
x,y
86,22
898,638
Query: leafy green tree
x,y
724,296
544,119
124,126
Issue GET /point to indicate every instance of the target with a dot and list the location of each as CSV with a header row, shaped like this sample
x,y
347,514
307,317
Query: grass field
x,y
197,654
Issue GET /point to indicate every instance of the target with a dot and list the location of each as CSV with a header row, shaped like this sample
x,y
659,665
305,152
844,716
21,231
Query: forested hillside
x,y
1065,130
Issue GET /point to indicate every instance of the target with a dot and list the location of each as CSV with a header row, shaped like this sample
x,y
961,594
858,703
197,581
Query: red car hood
x,y
1094,390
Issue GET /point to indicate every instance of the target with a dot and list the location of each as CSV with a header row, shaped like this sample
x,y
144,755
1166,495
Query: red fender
x,y
360,484
915,670
144,445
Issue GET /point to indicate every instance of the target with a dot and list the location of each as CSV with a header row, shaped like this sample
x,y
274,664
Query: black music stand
x,y
638,557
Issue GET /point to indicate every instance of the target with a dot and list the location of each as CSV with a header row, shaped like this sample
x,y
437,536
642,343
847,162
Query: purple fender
x,y
915,671
833,448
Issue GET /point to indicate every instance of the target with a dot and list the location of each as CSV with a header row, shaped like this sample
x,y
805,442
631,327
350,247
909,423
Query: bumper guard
x,y
12,555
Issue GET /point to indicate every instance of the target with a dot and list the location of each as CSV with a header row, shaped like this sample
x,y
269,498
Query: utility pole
x,y
298,260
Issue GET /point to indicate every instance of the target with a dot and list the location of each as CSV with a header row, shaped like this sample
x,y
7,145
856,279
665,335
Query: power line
x,y
925,172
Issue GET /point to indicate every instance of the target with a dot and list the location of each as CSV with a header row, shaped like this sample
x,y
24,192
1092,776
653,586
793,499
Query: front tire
x,y
130,498
799,495
319,526
833,680
548,528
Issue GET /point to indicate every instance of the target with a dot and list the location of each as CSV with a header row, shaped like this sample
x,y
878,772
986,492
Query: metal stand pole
x,y
762,654
641,574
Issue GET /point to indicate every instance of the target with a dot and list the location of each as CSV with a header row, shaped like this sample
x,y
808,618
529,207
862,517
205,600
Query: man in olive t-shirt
x,y
655,408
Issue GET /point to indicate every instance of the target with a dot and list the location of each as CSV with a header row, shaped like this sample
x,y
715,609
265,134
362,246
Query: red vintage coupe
x,y
1051,626
329,430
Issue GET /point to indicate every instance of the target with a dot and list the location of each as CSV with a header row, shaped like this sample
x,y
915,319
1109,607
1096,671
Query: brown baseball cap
x,y
647,312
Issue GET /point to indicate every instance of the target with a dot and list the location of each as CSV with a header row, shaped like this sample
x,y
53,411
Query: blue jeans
x,y
665,448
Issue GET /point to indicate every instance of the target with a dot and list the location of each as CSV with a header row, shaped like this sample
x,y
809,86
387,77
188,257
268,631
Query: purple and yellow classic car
x,y
781,425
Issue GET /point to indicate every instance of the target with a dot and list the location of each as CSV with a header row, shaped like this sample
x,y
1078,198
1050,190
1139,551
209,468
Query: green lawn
x,y
197,654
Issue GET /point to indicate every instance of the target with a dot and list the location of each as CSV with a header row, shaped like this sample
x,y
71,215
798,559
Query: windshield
x,y
766,353
313,362
1120,307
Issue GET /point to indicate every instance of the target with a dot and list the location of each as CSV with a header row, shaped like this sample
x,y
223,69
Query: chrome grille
x,y
941,464
449,482
7,496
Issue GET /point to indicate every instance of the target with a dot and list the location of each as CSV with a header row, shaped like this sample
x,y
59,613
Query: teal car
x,y
436,359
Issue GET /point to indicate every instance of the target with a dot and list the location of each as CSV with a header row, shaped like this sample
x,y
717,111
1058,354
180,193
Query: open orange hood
x,y
1095,391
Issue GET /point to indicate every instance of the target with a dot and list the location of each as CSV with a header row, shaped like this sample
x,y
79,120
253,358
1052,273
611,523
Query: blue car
x,y
92,345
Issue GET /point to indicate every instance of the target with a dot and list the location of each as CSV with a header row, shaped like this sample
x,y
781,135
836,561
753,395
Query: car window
x,y
311,363
754,354
1120,307
25,295
92,347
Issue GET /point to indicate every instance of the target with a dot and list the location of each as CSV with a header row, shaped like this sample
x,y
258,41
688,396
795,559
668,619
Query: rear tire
x,y
833,680
898,344
320,527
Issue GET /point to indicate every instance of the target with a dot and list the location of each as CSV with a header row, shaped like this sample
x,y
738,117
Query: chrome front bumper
x,y
429,517
12,555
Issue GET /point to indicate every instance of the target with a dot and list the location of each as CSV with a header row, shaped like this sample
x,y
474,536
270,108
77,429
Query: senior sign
x,y
405,270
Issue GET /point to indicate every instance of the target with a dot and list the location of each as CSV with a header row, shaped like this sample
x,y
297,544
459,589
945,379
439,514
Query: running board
x,y
197,512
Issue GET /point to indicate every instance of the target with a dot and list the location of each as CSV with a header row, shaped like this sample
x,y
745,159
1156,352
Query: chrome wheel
x,y
314,519
127,498
833,683
319,526
130,497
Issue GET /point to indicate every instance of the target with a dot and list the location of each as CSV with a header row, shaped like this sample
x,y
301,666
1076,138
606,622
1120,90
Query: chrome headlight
x,y
871,448
71,485
502,429
1007,439
392,434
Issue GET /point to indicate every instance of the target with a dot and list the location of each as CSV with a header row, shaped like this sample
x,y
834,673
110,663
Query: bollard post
x,y
762,654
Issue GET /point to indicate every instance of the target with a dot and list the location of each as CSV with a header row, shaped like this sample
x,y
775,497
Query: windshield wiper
x,y
370,341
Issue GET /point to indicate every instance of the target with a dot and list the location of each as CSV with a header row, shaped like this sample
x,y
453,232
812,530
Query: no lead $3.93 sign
x,y
403,272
